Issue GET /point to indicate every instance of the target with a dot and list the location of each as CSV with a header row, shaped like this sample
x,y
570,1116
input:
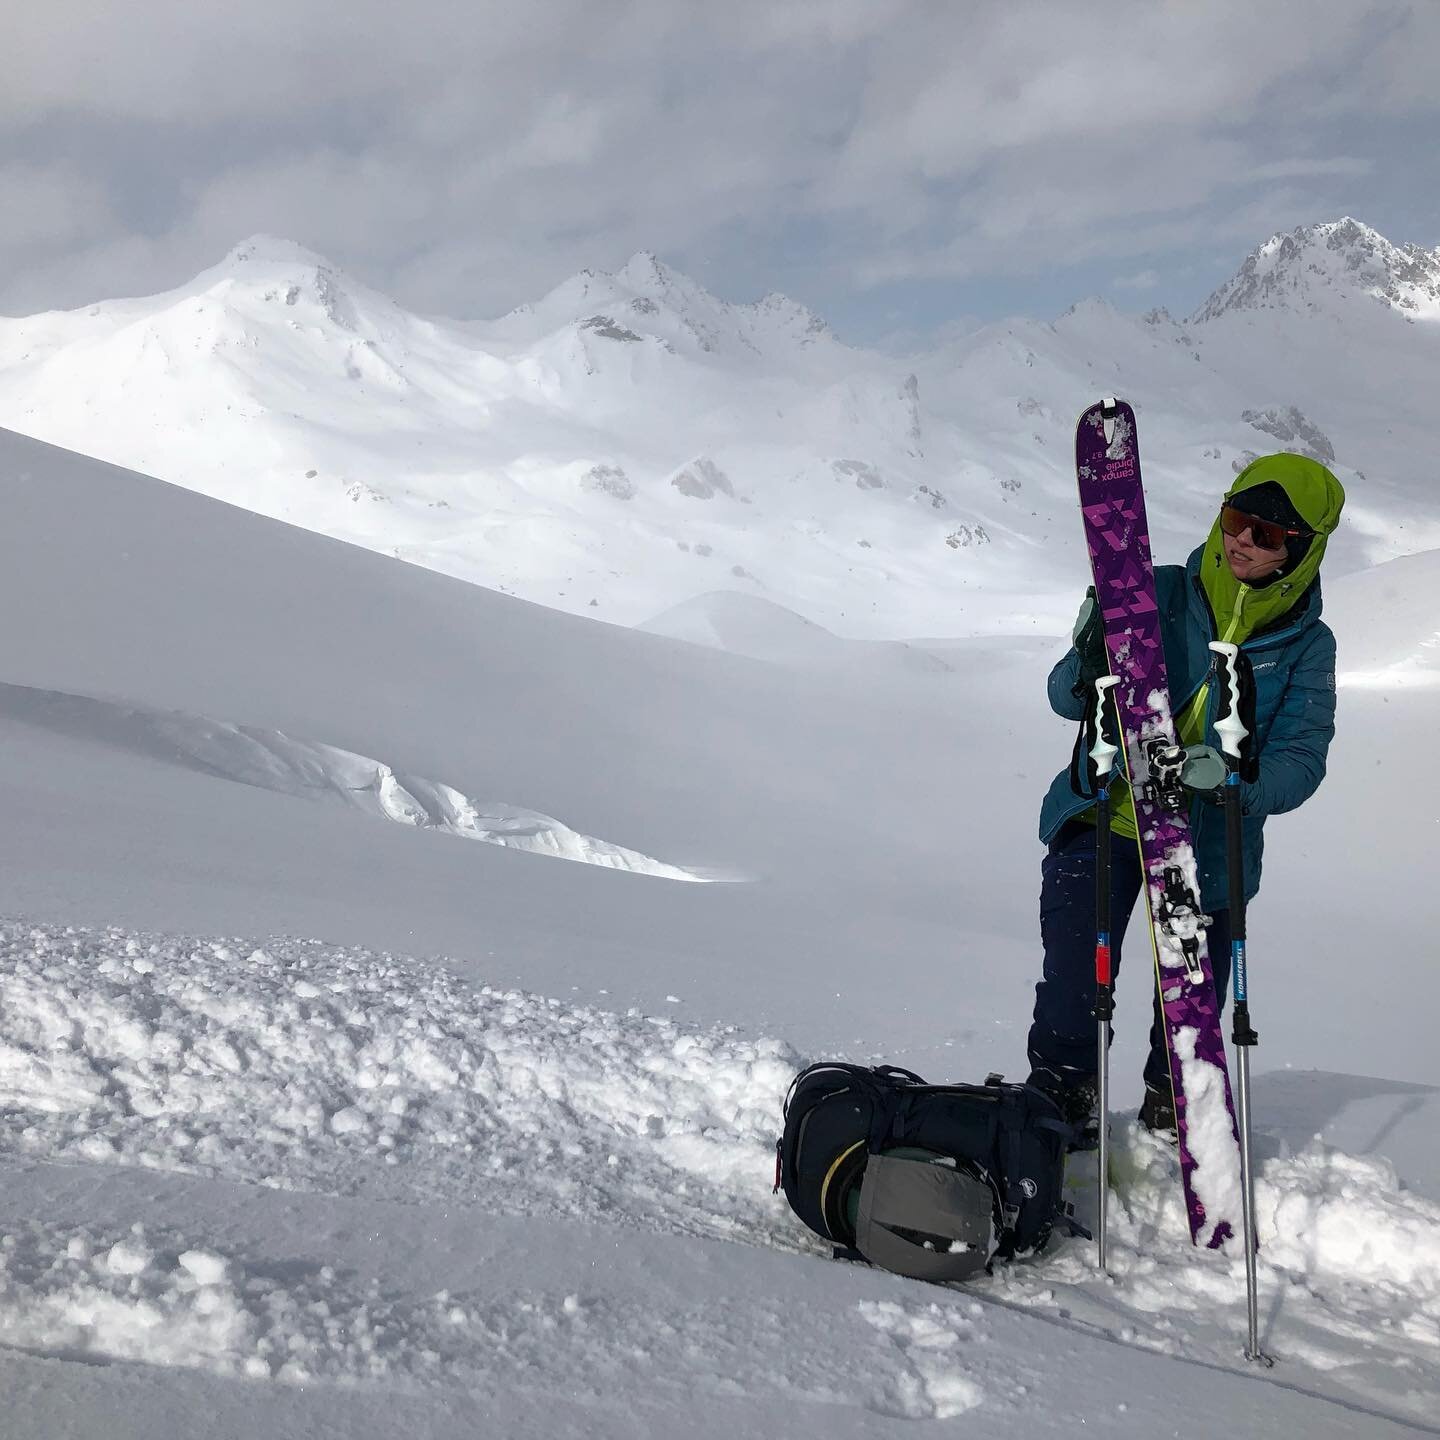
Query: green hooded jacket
x,y
1240,610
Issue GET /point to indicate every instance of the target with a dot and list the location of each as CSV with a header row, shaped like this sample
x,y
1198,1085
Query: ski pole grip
x,y
1228,725
1103,751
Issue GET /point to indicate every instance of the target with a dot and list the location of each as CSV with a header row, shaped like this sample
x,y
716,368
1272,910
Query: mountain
x,y
624,443
1317,267
629,441
1334,334
653,301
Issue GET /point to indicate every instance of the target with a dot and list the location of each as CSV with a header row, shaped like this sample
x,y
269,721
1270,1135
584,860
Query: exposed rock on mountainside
x,y
1293,430
609,480
865,475
702,479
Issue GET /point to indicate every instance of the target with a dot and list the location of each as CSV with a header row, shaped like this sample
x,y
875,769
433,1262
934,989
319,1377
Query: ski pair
x,y
1132,719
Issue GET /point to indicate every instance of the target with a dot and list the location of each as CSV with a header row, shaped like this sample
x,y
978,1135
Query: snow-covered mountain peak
x,y
262,251
792,315
267,276
647,298
263,287
1092,307
1316,268
645,271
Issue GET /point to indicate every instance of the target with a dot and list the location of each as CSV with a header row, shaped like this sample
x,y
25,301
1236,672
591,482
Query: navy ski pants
x,y
1062,1037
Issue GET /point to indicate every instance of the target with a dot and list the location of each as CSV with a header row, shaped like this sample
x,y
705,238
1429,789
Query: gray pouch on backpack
x,y
922,1219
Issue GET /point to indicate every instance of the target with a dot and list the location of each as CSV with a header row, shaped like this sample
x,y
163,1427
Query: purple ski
x,y
1112,500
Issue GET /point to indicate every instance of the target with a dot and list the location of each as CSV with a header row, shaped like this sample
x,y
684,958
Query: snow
x,y
483,1109
629,442
1396,645
271,760
1211,1141
1318,267
291,1064
316,1122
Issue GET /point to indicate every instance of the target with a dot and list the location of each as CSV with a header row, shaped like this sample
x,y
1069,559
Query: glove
x,y
1089,638
1204,772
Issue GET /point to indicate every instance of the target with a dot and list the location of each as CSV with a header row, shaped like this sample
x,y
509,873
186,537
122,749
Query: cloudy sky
x,y
903,166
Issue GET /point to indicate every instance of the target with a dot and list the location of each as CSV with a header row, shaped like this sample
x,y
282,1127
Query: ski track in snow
x,y
342,1072
271,760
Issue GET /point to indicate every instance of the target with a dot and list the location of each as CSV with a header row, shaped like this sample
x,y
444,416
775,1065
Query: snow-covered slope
x,y
1387,625
629,441
747,625
268,1158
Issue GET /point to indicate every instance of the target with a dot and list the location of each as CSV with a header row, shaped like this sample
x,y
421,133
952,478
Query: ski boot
x,y
1077,1096
1157,1115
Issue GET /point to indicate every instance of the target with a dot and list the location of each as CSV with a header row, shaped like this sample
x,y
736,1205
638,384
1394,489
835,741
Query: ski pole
x,y
1232,732
1102,761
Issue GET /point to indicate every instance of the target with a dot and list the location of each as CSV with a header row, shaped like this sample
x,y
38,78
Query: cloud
x,y
1142,280
1298,169
51,205
465,156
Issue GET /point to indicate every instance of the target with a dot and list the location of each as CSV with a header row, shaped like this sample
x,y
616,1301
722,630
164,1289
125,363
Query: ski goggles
x,y
1265,533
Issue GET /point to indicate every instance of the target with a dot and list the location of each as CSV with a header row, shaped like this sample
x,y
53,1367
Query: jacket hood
x,y
1318,497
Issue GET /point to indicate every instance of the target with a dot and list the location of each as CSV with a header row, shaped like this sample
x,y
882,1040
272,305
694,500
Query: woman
x,y
1254,582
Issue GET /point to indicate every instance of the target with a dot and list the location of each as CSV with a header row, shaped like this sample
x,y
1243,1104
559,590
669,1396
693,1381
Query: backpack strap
x,y
1010,1154
1059,1127
1016,1117
888,1115
1073,1227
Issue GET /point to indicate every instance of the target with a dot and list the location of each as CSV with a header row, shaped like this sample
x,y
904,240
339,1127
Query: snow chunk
x,y
205,1267
349,1121
129,1257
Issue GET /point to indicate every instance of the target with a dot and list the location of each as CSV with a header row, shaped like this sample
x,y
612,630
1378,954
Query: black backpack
x,y
930,1181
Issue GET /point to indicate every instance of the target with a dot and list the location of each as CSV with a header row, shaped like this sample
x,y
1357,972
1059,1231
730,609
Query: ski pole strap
x,y
1079,775
1096,744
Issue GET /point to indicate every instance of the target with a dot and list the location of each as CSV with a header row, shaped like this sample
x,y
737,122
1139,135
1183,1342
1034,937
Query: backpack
x,y
931,1181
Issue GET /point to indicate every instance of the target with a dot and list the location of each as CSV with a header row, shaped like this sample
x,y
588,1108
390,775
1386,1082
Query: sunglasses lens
x,y
1265,534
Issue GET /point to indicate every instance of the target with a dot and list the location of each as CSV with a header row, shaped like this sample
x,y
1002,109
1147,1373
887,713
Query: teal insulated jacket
x,y
1294,664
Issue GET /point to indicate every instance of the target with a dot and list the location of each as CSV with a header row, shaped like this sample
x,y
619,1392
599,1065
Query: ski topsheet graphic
x,y
1112,501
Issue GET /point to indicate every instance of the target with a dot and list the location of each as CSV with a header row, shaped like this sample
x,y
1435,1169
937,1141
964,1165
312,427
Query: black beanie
x,y
1268,501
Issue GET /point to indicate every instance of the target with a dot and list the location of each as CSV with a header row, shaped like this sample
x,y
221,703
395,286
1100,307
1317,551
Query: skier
x,y
1255,583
